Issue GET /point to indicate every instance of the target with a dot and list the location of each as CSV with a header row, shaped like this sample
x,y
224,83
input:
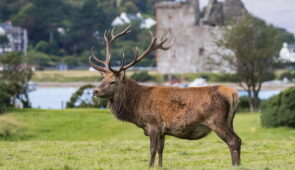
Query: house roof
x,y
9,28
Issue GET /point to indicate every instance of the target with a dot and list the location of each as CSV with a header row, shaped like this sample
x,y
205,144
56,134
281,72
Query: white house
x,y
125,18
17,36
287,53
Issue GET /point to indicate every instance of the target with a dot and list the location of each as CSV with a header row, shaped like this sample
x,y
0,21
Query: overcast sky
x,y
278,12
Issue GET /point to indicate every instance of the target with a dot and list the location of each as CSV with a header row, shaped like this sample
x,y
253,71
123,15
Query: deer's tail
x,y
233,108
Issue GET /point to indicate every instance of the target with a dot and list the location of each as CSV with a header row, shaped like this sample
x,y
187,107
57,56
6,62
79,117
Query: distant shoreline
x,y
233,85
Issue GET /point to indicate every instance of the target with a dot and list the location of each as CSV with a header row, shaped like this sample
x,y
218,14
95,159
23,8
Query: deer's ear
x,y
122,75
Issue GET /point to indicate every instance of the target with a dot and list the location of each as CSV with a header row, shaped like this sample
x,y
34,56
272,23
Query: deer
x,y
186,113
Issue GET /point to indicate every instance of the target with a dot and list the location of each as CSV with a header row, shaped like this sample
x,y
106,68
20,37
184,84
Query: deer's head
x,y
113,80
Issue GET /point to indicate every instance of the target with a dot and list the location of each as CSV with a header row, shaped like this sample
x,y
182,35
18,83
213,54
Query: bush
x,y
49,48
211,77
279,110
83,98
243,105
15,78
227,78
141,76
289,75
4,97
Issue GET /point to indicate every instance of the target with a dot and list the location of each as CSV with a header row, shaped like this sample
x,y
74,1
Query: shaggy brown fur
x,y
187,113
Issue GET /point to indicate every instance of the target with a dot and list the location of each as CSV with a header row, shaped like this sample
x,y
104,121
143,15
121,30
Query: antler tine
x,y
122,63
95,58
107,50
96,67
137,52
170,45
109,36
137,58
121,66
161,37
163,41
125,31
105,35
112,32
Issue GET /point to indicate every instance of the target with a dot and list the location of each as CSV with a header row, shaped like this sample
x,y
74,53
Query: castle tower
x,y
195,4
191,40
183,13
213,14
194,37
233,9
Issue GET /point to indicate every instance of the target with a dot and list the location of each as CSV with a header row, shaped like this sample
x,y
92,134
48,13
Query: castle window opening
x,y
201,51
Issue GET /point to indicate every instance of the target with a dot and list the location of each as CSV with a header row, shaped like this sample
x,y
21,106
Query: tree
x,y
8,8
4,97
88,25
255,46
3,41
15,75
129,7
286,36
42,18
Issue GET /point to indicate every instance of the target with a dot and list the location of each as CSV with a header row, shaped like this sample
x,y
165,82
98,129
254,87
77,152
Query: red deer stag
x,y
187,113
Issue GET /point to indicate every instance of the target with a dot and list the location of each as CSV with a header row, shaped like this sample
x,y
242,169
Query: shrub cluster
x,y
244,105
211,77
279,110
142,76
289,75
4,97
83,98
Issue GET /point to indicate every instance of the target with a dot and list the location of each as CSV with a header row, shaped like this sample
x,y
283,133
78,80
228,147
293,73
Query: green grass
x,y
94,139
66,76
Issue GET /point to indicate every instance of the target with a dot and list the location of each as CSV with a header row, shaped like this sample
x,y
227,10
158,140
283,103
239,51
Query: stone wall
x,y
194,39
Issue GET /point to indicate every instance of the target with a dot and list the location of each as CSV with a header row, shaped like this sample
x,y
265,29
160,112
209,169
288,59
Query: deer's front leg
x,y
154,138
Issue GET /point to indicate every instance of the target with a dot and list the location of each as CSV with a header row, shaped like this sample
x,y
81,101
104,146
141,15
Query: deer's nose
x,y
95,92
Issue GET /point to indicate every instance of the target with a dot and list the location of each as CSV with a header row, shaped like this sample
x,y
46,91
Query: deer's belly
x,y
191,132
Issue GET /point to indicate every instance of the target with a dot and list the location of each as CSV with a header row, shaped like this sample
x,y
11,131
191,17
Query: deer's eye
x,y
112,83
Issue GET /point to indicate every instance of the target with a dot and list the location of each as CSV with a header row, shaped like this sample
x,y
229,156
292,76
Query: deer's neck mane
x,y
125,102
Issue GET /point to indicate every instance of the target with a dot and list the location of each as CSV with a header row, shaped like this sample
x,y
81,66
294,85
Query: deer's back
x,y
186,112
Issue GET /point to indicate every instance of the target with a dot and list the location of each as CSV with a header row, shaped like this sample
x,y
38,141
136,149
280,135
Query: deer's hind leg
x,y
161,143
233,141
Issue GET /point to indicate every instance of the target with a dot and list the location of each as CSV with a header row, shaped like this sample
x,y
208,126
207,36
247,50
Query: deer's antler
x,y
109,37
154,45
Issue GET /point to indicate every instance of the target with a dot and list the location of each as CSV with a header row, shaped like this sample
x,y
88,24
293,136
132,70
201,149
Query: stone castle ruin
x,y
194,32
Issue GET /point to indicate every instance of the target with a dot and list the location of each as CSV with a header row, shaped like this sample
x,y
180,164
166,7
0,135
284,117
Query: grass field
x,y
90,76
94,139
65,76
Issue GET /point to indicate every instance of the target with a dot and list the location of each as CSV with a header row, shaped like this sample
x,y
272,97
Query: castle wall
x,y
192,44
